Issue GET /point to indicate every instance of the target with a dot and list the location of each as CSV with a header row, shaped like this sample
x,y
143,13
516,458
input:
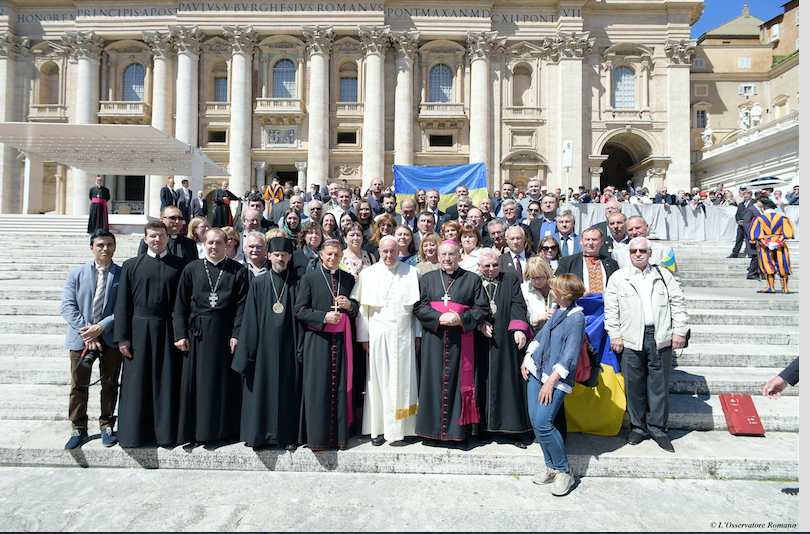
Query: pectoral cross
x,y
446,299
335,307
213,298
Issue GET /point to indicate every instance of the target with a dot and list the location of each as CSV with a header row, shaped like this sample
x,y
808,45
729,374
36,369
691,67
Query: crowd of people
x,y
313,317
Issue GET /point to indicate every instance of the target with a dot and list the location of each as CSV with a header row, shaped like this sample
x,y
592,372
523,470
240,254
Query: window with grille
x,y
700,118
624,88
284,79
133,83
745,63
220,89
699,63
348,90
440,84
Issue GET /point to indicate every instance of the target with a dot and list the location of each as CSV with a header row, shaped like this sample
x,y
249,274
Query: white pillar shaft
x,y
374,121
302,177
32,184
678,175
162,120
318,154
187,98
239,160
87,91
480,111
9,165
571,126
403,113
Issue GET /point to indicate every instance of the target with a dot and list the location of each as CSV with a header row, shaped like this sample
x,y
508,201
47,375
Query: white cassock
x,y
386,320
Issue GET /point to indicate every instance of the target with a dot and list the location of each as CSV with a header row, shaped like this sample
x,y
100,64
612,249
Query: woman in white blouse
x,y
470,249
535,292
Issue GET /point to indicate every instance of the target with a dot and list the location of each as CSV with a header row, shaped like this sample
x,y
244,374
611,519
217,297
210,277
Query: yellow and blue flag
x,y
668,260
598,410
409,179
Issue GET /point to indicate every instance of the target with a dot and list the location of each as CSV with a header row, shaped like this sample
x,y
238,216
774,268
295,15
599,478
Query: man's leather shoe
x,y
755,277
108,439
291,447
341,447
77,438
379,440
664,443
461,445
635,438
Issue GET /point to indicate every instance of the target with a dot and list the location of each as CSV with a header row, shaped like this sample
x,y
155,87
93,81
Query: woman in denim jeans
x,y
549,368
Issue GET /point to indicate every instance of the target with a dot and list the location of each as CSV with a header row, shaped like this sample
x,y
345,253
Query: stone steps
x,y
725,355
718,380
778,302
761,318
712,454
739,283
720,276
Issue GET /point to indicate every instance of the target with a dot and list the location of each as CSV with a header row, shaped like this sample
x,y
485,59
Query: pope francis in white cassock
x,y
386,326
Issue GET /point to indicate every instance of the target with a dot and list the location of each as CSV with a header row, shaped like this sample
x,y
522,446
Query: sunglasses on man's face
x,y
638,250
174,218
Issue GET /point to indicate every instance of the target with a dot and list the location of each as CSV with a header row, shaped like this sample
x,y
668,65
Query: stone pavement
x,y
171,500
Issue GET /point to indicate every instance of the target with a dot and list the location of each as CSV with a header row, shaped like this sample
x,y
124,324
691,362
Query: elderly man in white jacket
x,y
646,318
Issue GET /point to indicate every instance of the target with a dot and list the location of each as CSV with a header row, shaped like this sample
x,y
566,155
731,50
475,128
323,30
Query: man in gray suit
x,y
88,303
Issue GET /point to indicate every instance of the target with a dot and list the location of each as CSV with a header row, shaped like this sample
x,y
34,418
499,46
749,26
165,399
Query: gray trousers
x,y
646,377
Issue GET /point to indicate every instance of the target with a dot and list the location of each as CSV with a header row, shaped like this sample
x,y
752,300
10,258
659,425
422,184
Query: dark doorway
x,y
289,176
614,169
134,188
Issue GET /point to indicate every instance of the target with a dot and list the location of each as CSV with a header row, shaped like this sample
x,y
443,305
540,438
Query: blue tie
x,y
565,246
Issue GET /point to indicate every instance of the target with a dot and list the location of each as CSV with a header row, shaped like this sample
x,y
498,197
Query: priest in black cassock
x,y
499,340
99,196
179,245
452,305
207,318
325,311
222,211
268,355
150,381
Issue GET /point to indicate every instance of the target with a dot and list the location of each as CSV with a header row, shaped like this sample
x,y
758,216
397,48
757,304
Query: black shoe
x,y
635,438
461,445
733,255
518,442
664,443
379,440
431,442
341,447
292,447
749,277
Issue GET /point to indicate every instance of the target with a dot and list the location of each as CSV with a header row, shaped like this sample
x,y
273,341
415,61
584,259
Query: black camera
x,y
88,357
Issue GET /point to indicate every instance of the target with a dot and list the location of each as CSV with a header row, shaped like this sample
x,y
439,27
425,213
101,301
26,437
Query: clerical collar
x,y
152,254
330,271
173,236
393,267
212,262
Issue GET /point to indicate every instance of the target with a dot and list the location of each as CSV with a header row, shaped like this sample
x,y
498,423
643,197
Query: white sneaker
x,y
563,483
546,476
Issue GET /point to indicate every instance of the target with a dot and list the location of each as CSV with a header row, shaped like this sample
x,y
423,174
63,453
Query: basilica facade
x,y
344,90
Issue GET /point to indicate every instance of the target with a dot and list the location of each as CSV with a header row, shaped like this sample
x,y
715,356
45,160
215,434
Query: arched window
x,y
133,83
284,79
440,84
49,84
521,86
624,88
348,82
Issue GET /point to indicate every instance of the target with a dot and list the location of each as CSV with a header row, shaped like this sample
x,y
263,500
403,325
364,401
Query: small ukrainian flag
x,y
408,179
669,260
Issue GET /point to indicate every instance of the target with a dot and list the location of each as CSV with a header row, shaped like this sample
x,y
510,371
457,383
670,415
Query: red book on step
x,y
741,415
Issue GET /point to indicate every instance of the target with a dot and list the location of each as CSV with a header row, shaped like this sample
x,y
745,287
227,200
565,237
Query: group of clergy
x,y
211,354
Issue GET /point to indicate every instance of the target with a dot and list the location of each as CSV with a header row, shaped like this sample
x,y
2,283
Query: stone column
x,y
32,183
162,45
61,189
243,41
85,47
188,40
482,47
406,44
319,44
261,170
375,41
679,60
12,49
302,174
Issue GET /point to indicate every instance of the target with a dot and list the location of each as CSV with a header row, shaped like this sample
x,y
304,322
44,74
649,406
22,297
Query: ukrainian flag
x,y
598,410
668,260
408,179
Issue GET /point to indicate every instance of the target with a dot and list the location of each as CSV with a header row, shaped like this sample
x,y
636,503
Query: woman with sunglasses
x,y
385,225
196,232
549,249
536,292
532,212
233,245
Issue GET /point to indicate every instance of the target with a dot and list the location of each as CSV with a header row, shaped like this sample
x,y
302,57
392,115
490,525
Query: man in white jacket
x,y
646,318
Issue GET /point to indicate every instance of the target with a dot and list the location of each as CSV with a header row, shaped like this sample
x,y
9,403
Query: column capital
x,y
83,44
260,165
680,52
188,39
161,42
484,45
375,39
319,39
406,43
301,165
567,45
242,38
12,46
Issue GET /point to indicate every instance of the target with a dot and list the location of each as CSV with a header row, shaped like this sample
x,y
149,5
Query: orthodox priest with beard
x,y
452,304
207,318
150,382
325,311
268,355
499,384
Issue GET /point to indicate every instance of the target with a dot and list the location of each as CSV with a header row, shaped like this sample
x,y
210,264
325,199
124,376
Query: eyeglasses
x,y
638,250
174,218
490,266
533,210
552,247
315,209
537,278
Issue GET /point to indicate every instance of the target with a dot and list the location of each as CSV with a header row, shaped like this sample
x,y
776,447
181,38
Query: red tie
x,y
519,268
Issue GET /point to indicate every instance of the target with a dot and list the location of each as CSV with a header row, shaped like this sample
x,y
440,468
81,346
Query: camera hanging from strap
x,y
86,362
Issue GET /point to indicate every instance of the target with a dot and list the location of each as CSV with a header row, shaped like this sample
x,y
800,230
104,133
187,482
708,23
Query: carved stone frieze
x,y
83,44
570,45
375,39
161,42
680,52
242,38
484,45
319,39
12,46
188,38
406,44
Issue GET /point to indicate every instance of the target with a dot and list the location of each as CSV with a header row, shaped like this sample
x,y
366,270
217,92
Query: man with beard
x,y
389,205
150,382
452,304
324,309
268,355
500,387
207,318
178,244
387,292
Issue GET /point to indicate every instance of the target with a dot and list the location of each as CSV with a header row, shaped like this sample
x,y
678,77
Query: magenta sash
x,y
344,326
96,200
469,410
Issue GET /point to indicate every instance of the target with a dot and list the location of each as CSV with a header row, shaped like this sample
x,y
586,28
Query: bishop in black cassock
x,y
222,211
99,196
207,318
447,407
269,355
325,311
500,386
150,381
